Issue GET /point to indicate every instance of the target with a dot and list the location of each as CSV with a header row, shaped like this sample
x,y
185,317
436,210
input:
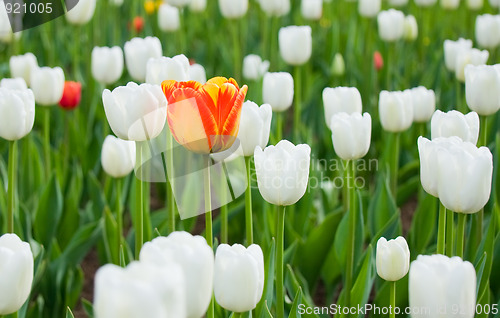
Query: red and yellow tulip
x,y
204,118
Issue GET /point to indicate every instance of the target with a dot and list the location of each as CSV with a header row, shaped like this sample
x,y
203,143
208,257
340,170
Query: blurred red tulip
x,y
138,24
378,61
72,95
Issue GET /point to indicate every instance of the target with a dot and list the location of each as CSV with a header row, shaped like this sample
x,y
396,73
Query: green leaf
x,y
295,281
111,236
268,292
294,310
381,208
69,313
80,244
87,306
267,312
48,213
423,224
364,282
487,246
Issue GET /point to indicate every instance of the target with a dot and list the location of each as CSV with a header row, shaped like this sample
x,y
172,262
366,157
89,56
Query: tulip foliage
x,y
251,158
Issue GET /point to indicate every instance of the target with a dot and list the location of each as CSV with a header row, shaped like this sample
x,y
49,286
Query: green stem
x,y
236,49
450,233
139,213
484,131
460,105
170,186
388,70
208,221
393,300
351,174
248,203
224,232
46,144
274,43
12,186
119,219
395,165
237,315
280,294
298,103
461,234
441,229
279,126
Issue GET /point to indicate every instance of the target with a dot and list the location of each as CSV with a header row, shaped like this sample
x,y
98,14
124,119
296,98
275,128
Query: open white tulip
x,y
165,68
47,85
488,30
118,156
295,44
277,90
254,67
238,277
454,123
168,18
233,9
424,103
107,64
137,53
135,112
17,107
16,273
369,8
396,110
443,286
13,83
351,134
341,100
282,172
22,65
195,258
391,25
393,258
82,12
451,50
482,88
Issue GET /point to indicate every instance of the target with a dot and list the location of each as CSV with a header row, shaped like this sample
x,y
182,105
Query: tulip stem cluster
x,y
395,165
46,143
462,217
351,175
119,219
450,232
280,233
170,186
248,204
441,229
139,212
208,221
12,186
298,103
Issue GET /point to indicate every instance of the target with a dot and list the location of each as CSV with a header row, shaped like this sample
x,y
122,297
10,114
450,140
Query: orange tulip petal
x,y
168,87
210,94
219,80
233,81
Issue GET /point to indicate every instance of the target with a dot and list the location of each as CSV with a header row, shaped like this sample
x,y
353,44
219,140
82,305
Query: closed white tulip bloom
x,y
464,177
424,103
196,259
137,53
369,8
425,3
341,100
278,91
451,49
482,89
282,172
198,5
180,3
238,277
140,290
107,64
351,134
255,126
311,9
396,110
168,18
454,123
475,4
338,65
488,30
47,85
393,258
82,12
275,8
135,112
116,3
465,57
22,65
233,9
13,83
117,156
495,3
398,3
410,28
254,67
17,110
450,4
165,68
16,274
6,34
445,287
196,72
391,25
295,44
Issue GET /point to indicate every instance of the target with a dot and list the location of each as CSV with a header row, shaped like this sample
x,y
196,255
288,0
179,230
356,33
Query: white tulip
x,y
117,3
282,172
450,4
17,109
410,28
276,8
137,53
427,151
238,277
198,5
295,44
396,110
277,90
488,31
140,290
82,12
454,123
135,112
451,49
118,156
197,73
47,85
13,83
475,4
311,9
341,100
233,9
424,103
391,25
393,258
465,57
254,67
495,3
165,68
369,8
196,259
22,65
168,18
6,34
351,134
425,3
16,273
255,126
107,64
482,89
440,286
